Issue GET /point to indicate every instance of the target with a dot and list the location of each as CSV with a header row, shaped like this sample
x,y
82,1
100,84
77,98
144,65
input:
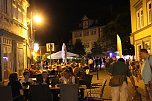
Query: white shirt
x,y
71,80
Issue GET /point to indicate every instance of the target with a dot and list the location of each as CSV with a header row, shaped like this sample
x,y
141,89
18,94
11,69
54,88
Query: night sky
x,y
62,16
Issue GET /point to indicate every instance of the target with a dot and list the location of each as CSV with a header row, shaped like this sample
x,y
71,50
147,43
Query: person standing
x,y
146,71
26,82
91,64
120,93
17,90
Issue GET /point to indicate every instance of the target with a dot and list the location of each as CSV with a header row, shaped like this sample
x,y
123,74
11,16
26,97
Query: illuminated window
x,y
147,46
149,12
7,57
138,50
15,11
140,18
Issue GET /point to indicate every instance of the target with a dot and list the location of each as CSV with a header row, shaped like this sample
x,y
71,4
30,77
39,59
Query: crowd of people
x,y
70,73
64,74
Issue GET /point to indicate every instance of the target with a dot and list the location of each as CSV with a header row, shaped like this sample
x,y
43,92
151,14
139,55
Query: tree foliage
x,y
69,46
96,49
121,26
78,48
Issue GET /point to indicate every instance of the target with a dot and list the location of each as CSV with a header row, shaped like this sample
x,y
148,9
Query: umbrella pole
x,y
50,58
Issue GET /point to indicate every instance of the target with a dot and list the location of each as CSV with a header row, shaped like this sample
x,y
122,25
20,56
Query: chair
x,y
54,81
94,97
69,92
40,93
5,93
87,80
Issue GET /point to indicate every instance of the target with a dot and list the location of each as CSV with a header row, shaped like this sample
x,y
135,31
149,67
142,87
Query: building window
x,y
149,12
138,50
140,18
85,24
77,34
20,16
93,32
15,12
78,40
86,33
7,57
20,62
3,5
147,46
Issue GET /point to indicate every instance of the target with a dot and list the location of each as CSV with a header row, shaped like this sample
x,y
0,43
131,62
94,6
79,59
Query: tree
x,y
96,49
69,46
108,38
79,48
128,49
120,25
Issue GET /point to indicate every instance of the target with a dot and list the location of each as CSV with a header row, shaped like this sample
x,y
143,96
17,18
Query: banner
x,y
119,46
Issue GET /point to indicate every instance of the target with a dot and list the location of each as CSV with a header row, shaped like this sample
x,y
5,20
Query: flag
x,y
119,46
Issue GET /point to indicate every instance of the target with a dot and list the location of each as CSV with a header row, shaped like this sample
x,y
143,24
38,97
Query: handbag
x,y
116,80
137,96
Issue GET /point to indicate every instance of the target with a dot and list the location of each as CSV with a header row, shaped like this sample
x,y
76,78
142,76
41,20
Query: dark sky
x,y
61,16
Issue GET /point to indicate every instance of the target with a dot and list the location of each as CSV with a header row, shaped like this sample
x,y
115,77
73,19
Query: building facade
x,y
88,32
14,40
141,23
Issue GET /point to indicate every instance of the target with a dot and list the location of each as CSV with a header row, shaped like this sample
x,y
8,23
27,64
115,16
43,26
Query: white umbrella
x,y
64,53
58,54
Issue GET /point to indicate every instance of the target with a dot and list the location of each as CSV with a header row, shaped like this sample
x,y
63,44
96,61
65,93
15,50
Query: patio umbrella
x,y
58,54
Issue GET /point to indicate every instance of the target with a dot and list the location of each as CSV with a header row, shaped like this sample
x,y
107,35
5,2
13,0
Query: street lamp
x,y
38,19
35,20
36,47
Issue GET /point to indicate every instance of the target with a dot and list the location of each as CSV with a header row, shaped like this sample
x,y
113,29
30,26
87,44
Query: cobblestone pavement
x,y
107,91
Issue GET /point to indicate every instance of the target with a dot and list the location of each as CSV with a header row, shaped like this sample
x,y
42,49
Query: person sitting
x,y
45,77
52,72
26,80
39,79
17,91
67,77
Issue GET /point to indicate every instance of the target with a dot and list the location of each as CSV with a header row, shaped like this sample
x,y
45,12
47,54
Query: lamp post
x,y
35,20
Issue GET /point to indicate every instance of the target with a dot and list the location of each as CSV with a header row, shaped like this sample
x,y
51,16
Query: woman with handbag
x,y
118,82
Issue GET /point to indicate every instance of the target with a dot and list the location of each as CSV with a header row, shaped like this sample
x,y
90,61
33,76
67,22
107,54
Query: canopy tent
x,y
58,55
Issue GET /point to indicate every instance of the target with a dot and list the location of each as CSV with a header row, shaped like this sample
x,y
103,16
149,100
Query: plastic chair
x,y
40,93
69,92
